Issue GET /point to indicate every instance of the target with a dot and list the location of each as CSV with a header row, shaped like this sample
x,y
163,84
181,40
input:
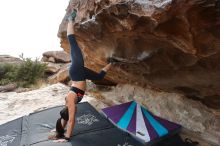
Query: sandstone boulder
x,y
171,45
56,56
61,76
9,60
53,67
51,59
8,87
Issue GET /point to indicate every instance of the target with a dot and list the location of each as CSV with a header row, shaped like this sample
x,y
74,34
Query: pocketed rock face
x,y
172,45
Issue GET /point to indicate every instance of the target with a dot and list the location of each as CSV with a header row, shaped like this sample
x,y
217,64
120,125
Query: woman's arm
x,y
91,75
107,67
71,100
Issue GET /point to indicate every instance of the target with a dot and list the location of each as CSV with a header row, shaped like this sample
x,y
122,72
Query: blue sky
x,y
30,26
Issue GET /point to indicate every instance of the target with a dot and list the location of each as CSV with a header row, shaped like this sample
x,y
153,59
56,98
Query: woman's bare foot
x,y
72,15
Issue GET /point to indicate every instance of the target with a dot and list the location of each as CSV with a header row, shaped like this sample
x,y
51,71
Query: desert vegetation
x,y
24,74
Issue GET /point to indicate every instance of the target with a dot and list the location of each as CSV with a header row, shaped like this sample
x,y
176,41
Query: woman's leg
x,y
76,71
71,19
70,28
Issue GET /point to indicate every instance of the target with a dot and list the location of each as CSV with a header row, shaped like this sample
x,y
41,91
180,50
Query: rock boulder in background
x,y
8,87
7,59
57,66
53,67
56,56
173,45
61,76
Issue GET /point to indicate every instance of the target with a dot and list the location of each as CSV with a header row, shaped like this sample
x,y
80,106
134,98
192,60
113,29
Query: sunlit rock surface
x,y
173,45
14,105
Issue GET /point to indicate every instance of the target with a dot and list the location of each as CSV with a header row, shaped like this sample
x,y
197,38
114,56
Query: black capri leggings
x,y
77,71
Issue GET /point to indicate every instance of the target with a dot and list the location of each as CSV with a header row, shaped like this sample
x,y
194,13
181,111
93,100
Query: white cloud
x,y
30,26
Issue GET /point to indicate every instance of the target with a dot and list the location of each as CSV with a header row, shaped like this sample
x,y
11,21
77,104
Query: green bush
x,y
25,74
7,73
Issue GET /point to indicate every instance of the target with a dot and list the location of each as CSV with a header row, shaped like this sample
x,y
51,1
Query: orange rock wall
x,y
173,45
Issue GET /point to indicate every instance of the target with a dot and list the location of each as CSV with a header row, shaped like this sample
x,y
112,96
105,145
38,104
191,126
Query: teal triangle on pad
x,y
126,118
160,129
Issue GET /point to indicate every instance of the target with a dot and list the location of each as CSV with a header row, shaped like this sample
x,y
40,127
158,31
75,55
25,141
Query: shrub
x,y
25,74
7,73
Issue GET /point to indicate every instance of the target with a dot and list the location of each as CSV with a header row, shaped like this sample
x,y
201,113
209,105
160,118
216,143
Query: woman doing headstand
x,y
78,74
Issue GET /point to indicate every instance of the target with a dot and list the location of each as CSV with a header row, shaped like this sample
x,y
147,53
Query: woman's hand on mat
x,y
53,130
60,140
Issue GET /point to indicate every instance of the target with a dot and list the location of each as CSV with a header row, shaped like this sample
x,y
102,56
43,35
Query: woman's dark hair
x,y
59,129
64,114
